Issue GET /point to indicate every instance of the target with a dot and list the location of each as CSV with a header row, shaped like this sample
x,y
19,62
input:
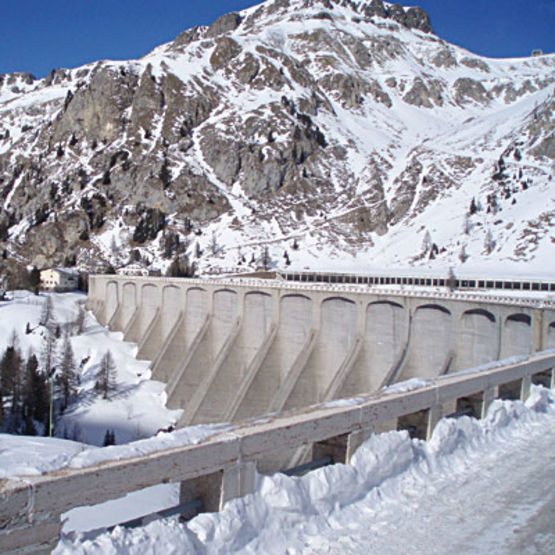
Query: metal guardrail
x,y
31,507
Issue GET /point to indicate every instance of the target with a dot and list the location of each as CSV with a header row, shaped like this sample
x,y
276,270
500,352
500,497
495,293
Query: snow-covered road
x,y
496,501
482,486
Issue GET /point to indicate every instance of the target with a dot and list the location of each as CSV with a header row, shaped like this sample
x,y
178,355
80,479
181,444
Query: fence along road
x,y
223,467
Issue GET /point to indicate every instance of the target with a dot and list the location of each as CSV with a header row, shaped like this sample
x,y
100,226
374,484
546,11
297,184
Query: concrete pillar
x,y
436,413
488,396
537,330
525,385
237,481
216,489
355,440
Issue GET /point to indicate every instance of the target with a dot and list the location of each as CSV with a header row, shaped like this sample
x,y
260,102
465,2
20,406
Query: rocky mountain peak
x,y
334,125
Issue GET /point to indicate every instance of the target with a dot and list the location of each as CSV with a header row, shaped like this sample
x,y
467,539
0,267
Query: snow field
x,y
137,408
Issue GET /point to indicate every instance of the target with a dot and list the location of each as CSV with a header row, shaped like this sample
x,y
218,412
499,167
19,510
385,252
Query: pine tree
x,y
10,375
451,280
109,438
106,377
29,426
467,225
463,256
35,396
68,376
266,260
34,279
214,247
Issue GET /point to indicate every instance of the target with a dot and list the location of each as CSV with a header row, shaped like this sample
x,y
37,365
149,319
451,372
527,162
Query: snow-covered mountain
x,y
339,134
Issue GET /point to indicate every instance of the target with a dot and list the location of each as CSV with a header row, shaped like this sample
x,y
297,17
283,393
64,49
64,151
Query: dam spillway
x,y
229,349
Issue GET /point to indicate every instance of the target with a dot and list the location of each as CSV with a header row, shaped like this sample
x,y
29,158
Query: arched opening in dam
x,y
232,350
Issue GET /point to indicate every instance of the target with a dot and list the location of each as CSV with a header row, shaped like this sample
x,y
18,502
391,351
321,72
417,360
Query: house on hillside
x,y
59,279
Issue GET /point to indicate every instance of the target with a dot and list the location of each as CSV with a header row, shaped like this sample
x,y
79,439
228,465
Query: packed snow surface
x,y
477,486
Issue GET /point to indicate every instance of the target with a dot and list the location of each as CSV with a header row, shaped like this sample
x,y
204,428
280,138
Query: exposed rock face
x,y
417,18
225,24
444,58
95,111
276,129
468,90
405,190
424,95
226,49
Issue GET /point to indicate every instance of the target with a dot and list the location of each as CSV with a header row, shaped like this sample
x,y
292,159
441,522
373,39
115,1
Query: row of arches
x,y
232,353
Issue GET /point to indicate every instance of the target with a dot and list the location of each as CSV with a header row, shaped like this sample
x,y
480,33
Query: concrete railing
x,y
547,301
223,467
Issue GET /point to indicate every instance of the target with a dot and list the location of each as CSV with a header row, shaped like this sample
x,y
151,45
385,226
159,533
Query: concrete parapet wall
x,y
236,348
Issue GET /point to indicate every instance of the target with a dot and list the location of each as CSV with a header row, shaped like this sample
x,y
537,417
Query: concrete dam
x,y
230,349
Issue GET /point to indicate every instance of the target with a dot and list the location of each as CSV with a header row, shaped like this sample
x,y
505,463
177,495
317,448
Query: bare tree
x,y
467,225
47,310
79,322
489,242
427,242
68,377
106,377
47,355
463,256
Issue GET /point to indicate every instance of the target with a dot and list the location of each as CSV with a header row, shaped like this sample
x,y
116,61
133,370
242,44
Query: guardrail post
x,y
436,413
216,489
237,481
525,385
488,396
207,488
354,440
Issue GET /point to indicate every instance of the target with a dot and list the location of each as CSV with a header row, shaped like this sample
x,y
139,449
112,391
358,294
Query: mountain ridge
x,y
293,123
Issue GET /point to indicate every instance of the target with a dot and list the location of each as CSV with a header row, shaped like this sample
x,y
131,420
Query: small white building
x,y
59,279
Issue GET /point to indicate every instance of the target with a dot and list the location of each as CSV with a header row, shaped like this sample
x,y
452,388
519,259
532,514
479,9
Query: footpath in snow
x,y
477,486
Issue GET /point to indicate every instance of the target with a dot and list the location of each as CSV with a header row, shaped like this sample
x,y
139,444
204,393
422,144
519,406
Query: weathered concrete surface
x,y
231,349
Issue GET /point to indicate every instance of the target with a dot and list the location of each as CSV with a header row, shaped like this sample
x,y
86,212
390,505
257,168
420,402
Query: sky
x,y
39,35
